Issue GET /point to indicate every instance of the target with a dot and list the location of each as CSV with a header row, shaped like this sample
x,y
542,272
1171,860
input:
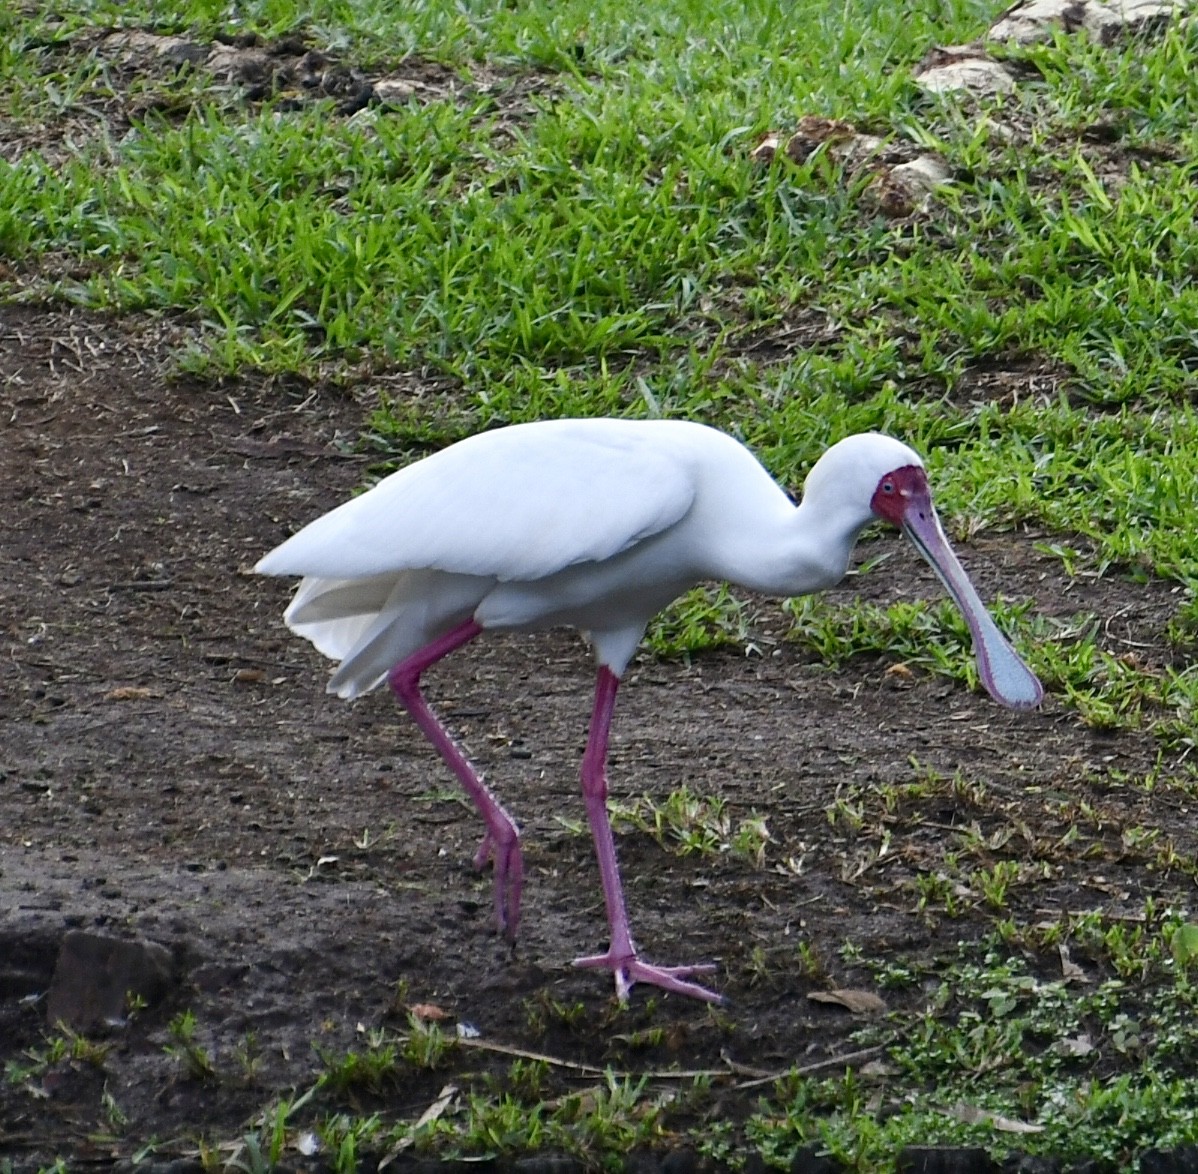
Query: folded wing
x,y
516,504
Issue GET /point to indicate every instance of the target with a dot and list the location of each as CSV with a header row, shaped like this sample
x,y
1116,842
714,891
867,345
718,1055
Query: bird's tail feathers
x,y
316,600
370,625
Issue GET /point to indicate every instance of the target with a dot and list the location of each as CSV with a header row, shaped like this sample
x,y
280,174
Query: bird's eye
x,y
887,486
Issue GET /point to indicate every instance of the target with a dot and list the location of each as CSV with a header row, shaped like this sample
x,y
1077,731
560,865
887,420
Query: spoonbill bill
x,y
595,524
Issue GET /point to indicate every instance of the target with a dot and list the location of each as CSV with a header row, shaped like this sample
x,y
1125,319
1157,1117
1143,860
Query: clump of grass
x,y
193,1058
705,618
1001,1041
692,824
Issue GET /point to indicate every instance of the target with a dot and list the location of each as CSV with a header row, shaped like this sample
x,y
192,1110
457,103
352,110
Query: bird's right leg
x,y
621,957
502,839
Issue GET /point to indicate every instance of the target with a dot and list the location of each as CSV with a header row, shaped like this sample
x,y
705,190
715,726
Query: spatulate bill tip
x,y
1007,679
1022,703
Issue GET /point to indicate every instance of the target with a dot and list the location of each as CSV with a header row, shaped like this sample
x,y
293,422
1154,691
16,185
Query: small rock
x,y
1183,1160
858,1002
181,52
859,150
313,62
810,1160
971,70
1141,17
641,1161
359,99
1037,20
239,65
1030,1164
95,974
548,1164
680,1162
132,44
767,146
905,188
918,1159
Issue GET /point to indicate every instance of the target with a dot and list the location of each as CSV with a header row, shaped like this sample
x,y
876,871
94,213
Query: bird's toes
x,y
483,855
628,971
670,978
509,885
684,971
623,985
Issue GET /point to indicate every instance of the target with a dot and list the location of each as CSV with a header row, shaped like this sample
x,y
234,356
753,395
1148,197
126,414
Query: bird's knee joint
x,y
506,837
405,684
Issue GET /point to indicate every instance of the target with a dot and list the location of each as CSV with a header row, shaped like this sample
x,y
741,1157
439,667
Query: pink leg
x,y
502,839
621,956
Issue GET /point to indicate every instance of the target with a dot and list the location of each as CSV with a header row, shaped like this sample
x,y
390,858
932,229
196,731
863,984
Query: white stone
x,y
977,75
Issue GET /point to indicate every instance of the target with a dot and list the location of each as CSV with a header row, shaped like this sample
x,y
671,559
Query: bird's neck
x,y
808,551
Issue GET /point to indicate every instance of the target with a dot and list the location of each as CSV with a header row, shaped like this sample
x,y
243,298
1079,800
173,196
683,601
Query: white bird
x,y
596,524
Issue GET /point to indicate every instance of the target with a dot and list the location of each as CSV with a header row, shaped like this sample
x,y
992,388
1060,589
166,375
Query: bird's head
x,y
869,474
894,478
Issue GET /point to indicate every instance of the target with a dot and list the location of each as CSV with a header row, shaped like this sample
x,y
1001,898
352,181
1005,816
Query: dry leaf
x,y
1078,1045
859,1002
1070,970
972,1115
435,1110
438,1107
879,1070
130,693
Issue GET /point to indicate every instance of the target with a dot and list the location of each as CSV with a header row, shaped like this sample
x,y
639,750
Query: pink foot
x,y
629,969
509,879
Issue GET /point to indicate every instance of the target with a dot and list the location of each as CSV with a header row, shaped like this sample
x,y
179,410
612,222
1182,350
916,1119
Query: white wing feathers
x,y
515,504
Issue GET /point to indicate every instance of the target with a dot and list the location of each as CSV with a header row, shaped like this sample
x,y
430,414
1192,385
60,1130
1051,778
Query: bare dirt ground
x,y
171,769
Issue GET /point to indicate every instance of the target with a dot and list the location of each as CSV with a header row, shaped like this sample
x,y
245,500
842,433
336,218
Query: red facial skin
x,y
898,492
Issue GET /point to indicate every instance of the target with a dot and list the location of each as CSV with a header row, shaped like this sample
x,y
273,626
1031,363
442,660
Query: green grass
x,y
613,249
1000,1039
577,228
1059,1059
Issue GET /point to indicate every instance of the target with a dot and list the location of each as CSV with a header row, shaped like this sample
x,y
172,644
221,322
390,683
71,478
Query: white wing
x,y
520,503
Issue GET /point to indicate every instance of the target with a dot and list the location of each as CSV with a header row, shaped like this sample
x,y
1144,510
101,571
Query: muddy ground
x,y
171,769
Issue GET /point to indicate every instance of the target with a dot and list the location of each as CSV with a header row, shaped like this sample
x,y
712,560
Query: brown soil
x,y
172,769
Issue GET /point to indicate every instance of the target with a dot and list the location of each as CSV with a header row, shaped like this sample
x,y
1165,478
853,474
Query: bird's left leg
x,y
502,839
621,957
